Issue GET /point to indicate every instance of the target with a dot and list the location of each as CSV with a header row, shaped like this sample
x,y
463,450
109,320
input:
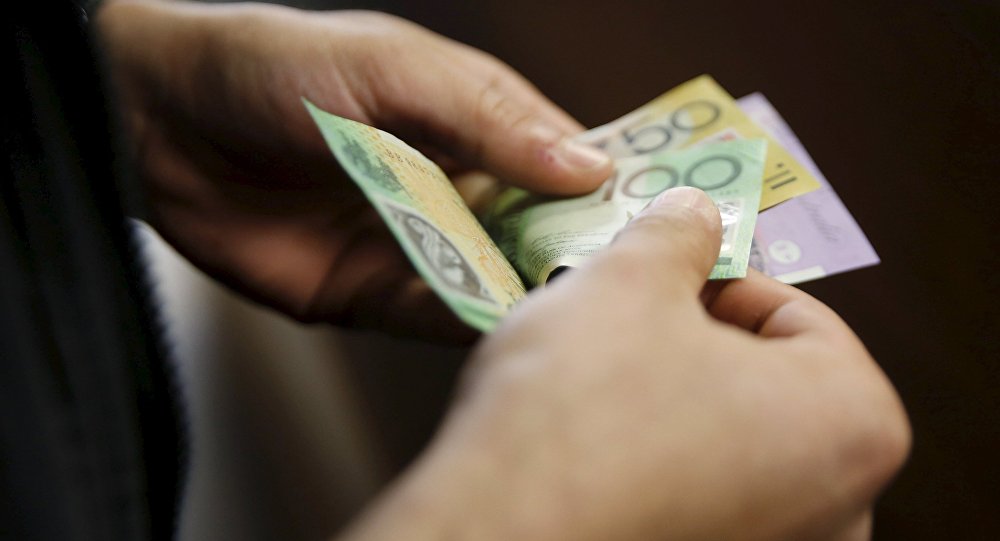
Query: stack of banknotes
x,y
779,213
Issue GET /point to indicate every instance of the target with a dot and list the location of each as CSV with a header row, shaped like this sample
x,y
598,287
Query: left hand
x,y
241,182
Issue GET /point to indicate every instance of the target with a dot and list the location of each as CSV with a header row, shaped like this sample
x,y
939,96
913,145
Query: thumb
x,y
526,151
669,248
511,130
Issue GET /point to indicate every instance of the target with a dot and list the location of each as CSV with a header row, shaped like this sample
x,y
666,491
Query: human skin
x,y
625,401
241,183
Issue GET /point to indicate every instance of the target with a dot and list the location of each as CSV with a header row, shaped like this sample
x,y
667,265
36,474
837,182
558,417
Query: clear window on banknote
x,y
730,210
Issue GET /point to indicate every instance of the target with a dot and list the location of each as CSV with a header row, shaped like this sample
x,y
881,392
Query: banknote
x,y
701,140
813,235
438,232
697,112
542,237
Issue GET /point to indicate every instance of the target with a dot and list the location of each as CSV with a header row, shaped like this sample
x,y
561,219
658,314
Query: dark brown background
x,y
899,104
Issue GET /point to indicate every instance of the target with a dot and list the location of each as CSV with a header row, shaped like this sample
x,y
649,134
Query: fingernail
x,y
683,196
567,151
581,156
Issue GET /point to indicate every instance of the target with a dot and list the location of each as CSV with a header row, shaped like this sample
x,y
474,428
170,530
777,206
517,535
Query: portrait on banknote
x,y
440,255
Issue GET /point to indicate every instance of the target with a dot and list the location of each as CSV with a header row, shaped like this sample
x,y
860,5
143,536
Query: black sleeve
x,y
88,429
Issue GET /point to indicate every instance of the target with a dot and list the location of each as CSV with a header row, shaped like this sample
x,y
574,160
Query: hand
x,y
625,402
239,178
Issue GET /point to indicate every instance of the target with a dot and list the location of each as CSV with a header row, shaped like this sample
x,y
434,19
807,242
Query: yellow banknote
x,y
438,232
695,113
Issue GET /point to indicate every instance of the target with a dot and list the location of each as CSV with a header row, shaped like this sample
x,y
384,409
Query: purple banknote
x,y
808,237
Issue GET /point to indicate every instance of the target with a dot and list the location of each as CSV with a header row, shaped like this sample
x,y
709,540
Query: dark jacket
x,y
88,440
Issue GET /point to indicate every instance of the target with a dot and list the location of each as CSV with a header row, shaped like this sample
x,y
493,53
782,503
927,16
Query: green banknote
x,y
474,271
438,232
543,236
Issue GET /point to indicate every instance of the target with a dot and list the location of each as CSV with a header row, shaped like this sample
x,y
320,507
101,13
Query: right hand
x,y
626,402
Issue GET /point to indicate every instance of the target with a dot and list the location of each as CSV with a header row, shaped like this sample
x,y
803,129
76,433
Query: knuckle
x,y
875,432
492,102
886,439
495,106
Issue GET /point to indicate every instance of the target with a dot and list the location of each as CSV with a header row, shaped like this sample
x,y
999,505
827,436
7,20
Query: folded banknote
x,y
438,232
742,155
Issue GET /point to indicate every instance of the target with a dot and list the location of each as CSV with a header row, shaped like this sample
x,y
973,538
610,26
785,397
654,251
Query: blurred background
x,y
294,428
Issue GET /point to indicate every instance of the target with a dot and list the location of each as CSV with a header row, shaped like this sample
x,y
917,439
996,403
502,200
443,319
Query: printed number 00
x,y
713,179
